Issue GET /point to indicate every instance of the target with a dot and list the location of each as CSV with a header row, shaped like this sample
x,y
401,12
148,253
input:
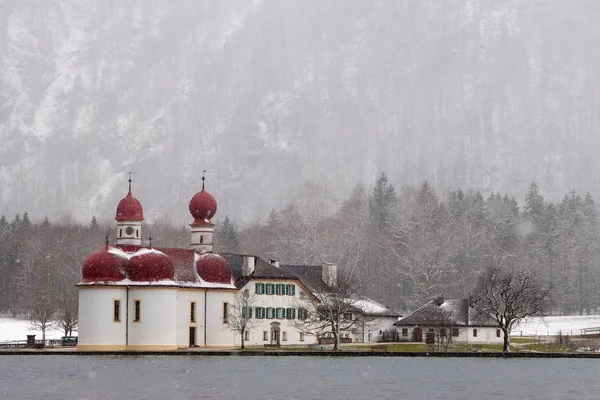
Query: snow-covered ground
x,y
570,325
18,329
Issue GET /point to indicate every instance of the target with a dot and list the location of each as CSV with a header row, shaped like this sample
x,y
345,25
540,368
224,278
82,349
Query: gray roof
x,y
262,270
452,312
309,275
312,277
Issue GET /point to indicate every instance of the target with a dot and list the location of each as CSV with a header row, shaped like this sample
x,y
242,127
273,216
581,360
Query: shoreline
x,y
292,353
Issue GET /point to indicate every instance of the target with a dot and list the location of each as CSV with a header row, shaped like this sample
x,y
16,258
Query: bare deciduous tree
x,y
333,309
239,317
509,297
67,316
439,336
42,317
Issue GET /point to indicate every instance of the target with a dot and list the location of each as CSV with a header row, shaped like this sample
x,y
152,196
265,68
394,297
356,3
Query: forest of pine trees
x,y
406,246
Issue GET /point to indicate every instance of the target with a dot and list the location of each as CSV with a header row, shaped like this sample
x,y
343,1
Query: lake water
x,y
235,377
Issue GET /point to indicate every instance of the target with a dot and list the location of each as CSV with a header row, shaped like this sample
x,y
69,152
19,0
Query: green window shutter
x,y
257,312
272,288
257,288
283,313
293,290
249,312
302,314
291,313
287,290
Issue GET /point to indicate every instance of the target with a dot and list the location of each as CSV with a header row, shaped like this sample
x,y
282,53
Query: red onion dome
x,y
103,266
129,209
203,207
150,265
213,268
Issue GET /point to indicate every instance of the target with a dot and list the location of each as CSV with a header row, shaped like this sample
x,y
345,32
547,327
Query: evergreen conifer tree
x,y
228,236
382,202
94,226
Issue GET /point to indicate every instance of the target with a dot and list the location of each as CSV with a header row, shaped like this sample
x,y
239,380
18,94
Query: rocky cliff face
x,y
268,94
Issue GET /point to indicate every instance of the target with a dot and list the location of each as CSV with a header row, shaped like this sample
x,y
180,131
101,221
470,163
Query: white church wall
x,y
217,332
156,328
185,297
97,329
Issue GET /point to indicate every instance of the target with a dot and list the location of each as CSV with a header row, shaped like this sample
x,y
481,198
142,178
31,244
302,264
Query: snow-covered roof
x,y
164,282
371,307
117,251
186,266
452,312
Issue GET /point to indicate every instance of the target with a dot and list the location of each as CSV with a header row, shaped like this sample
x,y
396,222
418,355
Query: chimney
x,y
329,274
438,301
248,266
274,262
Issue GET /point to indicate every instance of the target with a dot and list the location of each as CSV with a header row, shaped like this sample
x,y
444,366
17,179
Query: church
x,y
135,297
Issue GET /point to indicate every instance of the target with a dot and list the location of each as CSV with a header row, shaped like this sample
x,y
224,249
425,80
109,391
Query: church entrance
x,y
192,336
275,333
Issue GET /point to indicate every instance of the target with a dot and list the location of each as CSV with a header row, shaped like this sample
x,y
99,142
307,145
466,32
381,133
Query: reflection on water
x,y
211,377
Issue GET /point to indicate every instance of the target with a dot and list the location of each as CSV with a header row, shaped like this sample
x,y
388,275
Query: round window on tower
x,y
129,230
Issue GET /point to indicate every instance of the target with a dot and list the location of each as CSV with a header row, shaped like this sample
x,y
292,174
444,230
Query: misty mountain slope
x,y
268,94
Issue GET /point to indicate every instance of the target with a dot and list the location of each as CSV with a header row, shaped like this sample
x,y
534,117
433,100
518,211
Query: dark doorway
x,y
417,335
275,333
193,336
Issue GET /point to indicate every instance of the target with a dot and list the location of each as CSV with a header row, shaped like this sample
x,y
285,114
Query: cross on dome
x,y
129,208
203,205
